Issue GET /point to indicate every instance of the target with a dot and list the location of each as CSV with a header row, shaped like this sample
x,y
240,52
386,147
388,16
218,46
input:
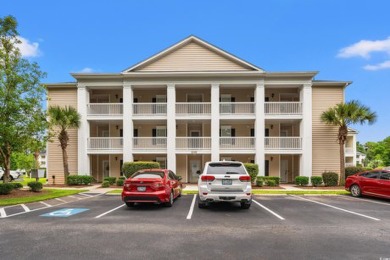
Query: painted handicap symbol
x,y
63,213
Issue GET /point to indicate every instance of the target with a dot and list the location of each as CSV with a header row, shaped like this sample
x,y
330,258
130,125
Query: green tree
x,y
21,160
343,115
21,95
62,119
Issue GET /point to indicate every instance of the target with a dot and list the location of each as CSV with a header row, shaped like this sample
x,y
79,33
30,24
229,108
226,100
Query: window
x,y
172,176
148,175
385,176
226,168
370,175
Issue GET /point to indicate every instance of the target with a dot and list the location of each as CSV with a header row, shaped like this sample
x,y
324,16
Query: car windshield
x,y
148,175
226,168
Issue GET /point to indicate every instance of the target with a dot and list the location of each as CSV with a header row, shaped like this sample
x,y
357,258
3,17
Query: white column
x,y
354,148
127,123
171,127
260,127
83,162
306,131
215,122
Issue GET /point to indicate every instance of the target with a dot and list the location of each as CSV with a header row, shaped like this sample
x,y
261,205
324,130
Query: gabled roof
x,y
192,54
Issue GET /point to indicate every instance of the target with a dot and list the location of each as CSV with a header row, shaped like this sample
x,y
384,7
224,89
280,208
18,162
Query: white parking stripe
x,y
191,208
334,207
25,207
74,197
61,200
270,211
2,213
372,201
107,212
46,204
87,195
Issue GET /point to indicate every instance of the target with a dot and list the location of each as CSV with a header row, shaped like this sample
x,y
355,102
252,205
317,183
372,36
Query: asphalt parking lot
x,y
92,226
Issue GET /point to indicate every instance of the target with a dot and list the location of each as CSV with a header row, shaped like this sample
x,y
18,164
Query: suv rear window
x,y
149,175
226,168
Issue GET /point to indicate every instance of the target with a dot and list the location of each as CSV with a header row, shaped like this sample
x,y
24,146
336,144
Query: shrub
x,y
330,178
120,182
316,180
6,188
111,180
302,180
270,183
122,178
129,168
16,185
259,182
35,186
352,170
253,170
79,180
265,179
105,184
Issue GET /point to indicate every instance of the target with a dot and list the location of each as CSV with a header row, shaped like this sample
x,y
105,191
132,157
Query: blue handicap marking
x,y
63,213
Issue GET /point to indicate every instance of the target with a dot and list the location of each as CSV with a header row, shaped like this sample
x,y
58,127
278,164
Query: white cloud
x,y
27,48
380,66
86,70
364,48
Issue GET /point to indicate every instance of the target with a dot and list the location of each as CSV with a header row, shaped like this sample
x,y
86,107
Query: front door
x,y
106,169
284,171
195,168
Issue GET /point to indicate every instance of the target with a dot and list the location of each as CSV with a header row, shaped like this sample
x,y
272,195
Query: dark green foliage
x,y
253,170
266,179
259,182
302,180
330,178
271,183
122,178
120,182
131,167
352,170
111,180
79,180
316,180
35,186
6,188
16,185
105,184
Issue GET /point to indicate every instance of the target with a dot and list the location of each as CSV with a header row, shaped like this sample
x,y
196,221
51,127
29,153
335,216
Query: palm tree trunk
x,y
343,132
65,163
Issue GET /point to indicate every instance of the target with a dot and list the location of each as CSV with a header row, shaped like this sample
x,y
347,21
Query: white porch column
x,y
83,162
260,127
127,123
171,127
306,131
215,124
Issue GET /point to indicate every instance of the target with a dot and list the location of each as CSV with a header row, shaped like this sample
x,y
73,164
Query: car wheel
x,y
355,190
170,202
179,193
202,204
245,205
130,204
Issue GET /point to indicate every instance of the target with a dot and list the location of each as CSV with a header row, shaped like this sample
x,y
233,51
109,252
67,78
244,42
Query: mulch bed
x,y
22,194
320,188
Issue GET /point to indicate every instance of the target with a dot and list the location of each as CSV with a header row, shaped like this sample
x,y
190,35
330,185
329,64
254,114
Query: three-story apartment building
x,y
193,103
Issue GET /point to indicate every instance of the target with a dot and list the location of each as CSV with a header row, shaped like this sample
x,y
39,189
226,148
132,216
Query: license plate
x,y
227,182
141,188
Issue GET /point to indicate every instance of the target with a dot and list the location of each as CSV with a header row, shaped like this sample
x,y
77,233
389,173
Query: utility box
x,y
34,173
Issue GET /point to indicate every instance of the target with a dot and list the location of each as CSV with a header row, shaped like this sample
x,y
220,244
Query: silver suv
x,y
224,181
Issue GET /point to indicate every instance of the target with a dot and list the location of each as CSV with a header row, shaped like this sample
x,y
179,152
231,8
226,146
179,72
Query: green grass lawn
x,y
51,194
27,180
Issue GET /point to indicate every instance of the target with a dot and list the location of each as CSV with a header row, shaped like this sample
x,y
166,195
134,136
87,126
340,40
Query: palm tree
x,y
343,115
62,119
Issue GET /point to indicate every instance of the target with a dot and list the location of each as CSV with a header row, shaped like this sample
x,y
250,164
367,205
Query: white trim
x,y
215,122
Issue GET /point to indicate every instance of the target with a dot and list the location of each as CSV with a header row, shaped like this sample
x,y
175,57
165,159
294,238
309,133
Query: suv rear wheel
x,y
202,204
245,205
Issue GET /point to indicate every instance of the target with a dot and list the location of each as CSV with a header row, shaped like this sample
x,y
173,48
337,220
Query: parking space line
x,y
64,201
372,201
270,211
87,195
107,212
334,207
2,213
189,216
46,204
74,197
25,207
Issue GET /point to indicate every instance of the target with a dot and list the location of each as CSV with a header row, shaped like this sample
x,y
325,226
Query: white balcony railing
x,y
348,150
349,164
197,143
150,108
190,108
104,109
283,143
105,143
240,108
226,143
283,108
152,143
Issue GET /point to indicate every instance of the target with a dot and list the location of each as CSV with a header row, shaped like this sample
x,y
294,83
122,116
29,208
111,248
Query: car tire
x,y
170,202
202,204
179,194
355,191
245,205
130,204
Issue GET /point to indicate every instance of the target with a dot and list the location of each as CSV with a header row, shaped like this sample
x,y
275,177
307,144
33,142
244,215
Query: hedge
x,y
6,188
129,168
302,180
79,180
330,178
120,182
105,184
354,169
265,180
111,180
316,180
253,170
35,186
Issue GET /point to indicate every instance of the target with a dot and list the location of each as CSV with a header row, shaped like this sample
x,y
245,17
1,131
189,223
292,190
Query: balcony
x,y
192,109
283,108
237,108
105,110
105,144
349,151
283,143
236,143
150,143
193,143
150,109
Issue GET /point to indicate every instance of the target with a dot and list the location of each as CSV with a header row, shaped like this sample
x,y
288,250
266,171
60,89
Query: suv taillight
x,y
245,178
207,178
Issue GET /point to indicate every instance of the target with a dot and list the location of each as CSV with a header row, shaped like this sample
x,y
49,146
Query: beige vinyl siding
x,y
62,97
193,57
326,154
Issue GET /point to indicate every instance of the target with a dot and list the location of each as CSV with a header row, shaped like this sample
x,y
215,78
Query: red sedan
x,y
372,183
152,186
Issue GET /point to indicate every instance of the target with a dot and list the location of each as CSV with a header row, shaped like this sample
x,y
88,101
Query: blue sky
x,y
343,40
